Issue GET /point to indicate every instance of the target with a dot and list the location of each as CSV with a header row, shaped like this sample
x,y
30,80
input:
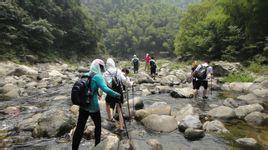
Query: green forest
x,y
233,30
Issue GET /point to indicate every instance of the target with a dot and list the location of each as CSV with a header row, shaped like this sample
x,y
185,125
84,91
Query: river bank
x,y
36,110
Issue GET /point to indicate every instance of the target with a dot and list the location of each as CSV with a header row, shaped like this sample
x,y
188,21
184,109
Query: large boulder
x,y
194,134
30,123
141,114
8,87
185,111
230,102
249,98
163,89
182,93
242,111
237,86
190,121
247,142
160,123
53,123
222,112
109,143
136,102
143,78
180,74
170,80
223,68
23,70
255,118
14,93
215,126
160,108
56,73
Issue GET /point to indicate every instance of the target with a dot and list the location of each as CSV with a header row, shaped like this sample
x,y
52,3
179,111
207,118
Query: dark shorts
x,y
153,70
112,101
199,83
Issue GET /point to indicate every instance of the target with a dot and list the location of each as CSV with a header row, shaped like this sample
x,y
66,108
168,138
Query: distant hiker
x,y
153,67
147,62
115,80
92,110
194,66
202,73
136,63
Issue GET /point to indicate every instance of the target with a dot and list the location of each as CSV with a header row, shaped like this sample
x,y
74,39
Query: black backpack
x,y
81,91
202,72
152,64
117,85
135,62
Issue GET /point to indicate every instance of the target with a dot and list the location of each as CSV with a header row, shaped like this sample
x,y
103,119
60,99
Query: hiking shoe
x,y
119,131
205,97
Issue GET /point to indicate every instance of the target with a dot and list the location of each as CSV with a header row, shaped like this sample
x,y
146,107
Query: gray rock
x,y
24,70
249,98
237,86
185,111
83,69
255,118
30,123
194,134
109,143
223,68
229,102
8,87
159,108
160,123
14,93
163,89
190,121
170,80
182,93
155,144
222,112
247,142
141,114
215,126
143,78
53,123
138,103
32,59
242,111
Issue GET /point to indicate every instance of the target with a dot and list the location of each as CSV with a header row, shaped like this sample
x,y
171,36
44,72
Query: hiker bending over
x,y
136,63
202,73
115,80
153,67
92,110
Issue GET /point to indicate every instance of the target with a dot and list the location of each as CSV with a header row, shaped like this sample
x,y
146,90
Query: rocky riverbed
x,y
36,110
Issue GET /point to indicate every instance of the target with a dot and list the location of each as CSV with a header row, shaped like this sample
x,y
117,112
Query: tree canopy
x,y
47,27
234,30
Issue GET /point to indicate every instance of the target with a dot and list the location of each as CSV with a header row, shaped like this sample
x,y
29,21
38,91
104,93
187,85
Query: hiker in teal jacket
x,y
93,110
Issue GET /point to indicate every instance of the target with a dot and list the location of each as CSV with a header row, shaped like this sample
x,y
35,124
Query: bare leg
x,y
120,113
195,93
205,92
108,110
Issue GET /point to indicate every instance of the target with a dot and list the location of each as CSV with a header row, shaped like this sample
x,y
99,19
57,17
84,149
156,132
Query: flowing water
x,y
171,141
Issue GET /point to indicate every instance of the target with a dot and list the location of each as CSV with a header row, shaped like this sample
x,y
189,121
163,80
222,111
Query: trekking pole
x,y
128,105
120,107
211,86
133,96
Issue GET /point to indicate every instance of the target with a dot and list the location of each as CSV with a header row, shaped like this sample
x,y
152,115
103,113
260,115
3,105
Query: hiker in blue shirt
x,y
93,110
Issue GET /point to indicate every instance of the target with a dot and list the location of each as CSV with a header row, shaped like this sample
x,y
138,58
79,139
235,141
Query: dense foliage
x,y
234,30
137,26
46,27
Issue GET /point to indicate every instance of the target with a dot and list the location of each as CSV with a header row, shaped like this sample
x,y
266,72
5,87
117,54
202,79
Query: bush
x,y
239,77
